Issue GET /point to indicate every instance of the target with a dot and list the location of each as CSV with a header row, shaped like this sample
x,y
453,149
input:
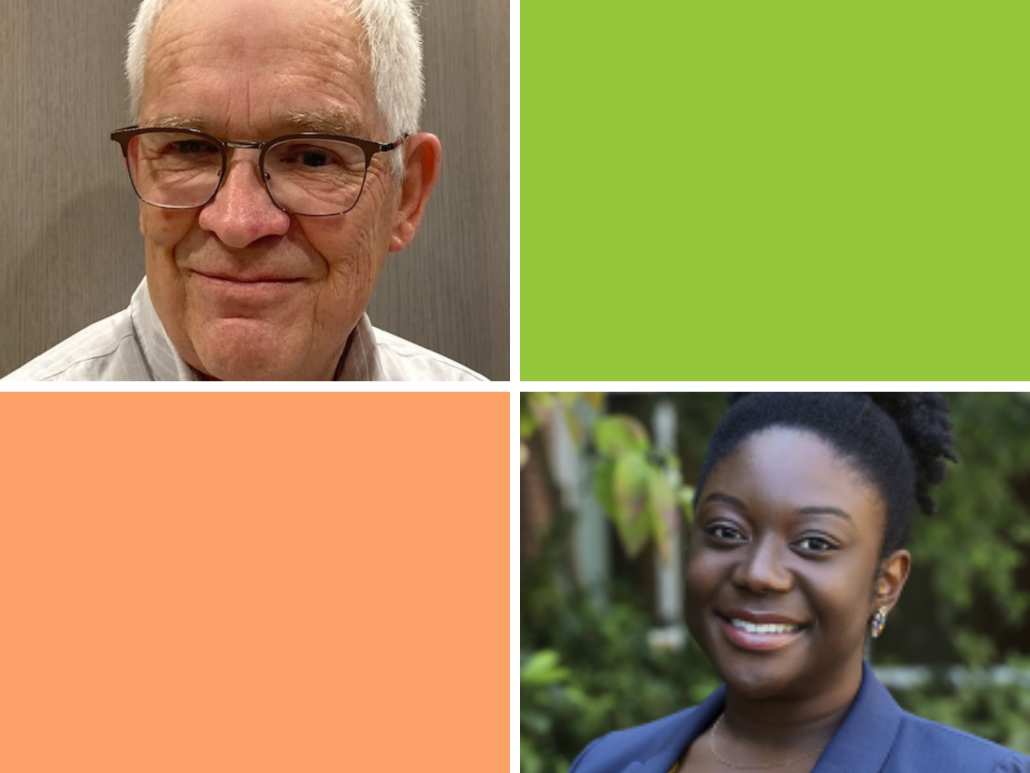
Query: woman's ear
x,y
891,579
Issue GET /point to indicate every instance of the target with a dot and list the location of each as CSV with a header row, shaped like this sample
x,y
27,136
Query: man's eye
x,y
816,545
315,158
190,147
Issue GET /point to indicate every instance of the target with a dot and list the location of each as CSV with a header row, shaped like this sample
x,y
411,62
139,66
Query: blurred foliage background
x,y
596,657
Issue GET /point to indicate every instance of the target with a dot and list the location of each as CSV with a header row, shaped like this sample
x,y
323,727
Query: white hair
x,y
395,47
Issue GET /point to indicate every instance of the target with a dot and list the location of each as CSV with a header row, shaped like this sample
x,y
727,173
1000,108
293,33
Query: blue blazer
x,y
875,737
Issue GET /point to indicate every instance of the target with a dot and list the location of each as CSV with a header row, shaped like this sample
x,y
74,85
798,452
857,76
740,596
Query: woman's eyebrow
x,y
826,510
718,496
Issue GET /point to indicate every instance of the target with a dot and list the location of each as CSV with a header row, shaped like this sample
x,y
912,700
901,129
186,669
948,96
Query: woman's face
x,y
781,578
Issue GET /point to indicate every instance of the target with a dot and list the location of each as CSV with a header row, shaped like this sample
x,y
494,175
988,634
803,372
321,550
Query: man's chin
x,y
247,350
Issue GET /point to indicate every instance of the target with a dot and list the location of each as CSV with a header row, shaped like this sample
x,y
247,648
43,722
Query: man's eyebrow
x,y
718,496
179,122
826,510
324,120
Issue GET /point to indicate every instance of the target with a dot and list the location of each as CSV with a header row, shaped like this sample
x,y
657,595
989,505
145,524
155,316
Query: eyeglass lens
x,y
304,176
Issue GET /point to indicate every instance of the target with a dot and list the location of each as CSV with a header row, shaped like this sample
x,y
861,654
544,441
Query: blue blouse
x,y
877,736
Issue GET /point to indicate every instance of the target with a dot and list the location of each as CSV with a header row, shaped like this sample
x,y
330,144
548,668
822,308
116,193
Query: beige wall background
x,y
70,249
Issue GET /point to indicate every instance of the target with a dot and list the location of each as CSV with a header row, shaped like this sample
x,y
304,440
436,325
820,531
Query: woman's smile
x,y
759,631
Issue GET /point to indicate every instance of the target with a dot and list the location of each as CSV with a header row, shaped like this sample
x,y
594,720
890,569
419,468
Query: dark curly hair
x,y
897,440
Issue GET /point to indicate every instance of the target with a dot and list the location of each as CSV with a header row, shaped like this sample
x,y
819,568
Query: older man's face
x,y
240,68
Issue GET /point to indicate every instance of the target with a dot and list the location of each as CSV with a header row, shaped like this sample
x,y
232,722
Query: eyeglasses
x,y
305,174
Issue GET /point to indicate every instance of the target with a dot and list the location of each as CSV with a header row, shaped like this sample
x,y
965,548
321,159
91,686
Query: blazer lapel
x,y
862,743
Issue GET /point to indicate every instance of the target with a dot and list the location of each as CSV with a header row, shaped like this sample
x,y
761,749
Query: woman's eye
x,y
727,533
816,545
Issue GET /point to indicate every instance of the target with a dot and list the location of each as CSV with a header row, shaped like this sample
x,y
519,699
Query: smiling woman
x,y
797,554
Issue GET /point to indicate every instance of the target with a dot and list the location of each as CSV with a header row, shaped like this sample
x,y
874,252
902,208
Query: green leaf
x,y
663,500
542,669
662,510
631,486
623,489
603,485
614,435
634,535
685,498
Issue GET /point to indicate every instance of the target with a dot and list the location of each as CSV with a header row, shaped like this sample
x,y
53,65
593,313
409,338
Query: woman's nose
x,y
762,569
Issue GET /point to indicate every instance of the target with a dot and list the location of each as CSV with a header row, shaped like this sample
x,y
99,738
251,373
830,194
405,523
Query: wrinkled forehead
x,y
259,57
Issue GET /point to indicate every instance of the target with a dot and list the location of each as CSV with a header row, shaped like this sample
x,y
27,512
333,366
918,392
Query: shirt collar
x,y
162,359
360,360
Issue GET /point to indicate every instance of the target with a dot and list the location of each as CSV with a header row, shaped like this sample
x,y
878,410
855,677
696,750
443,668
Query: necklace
x,y
711,745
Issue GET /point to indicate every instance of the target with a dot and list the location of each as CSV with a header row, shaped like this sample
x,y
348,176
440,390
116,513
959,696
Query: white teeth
x,y
752,628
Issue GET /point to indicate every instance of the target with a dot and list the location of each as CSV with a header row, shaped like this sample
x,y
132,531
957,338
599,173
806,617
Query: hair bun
x,y
922,418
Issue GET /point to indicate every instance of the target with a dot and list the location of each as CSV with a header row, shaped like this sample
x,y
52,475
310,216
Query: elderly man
x,y
277,163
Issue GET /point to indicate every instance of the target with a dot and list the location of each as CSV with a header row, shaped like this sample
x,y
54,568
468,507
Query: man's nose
x,y
242,212
762,569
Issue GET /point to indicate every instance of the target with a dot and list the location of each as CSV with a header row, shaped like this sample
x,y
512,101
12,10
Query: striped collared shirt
x,y
132,345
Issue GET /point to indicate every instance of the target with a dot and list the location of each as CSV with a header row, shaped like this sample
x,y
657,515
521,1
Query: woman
x,y
797,552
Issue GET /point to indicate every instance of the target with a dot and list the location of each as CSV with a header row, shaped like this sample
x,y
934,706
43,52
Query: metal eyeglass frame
x,y
124,136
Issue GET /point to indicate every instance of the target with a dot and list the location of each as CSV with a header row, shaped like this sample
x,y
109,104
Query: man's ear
x,y
421,168
893,573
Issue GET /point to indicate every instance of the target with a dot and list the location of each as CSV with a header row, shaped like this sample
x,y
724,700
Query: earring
x,y
879,620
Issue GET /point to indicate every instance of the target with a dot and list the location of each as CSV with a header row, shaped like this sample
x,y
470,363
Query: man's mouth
x,y
233,296
246,280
